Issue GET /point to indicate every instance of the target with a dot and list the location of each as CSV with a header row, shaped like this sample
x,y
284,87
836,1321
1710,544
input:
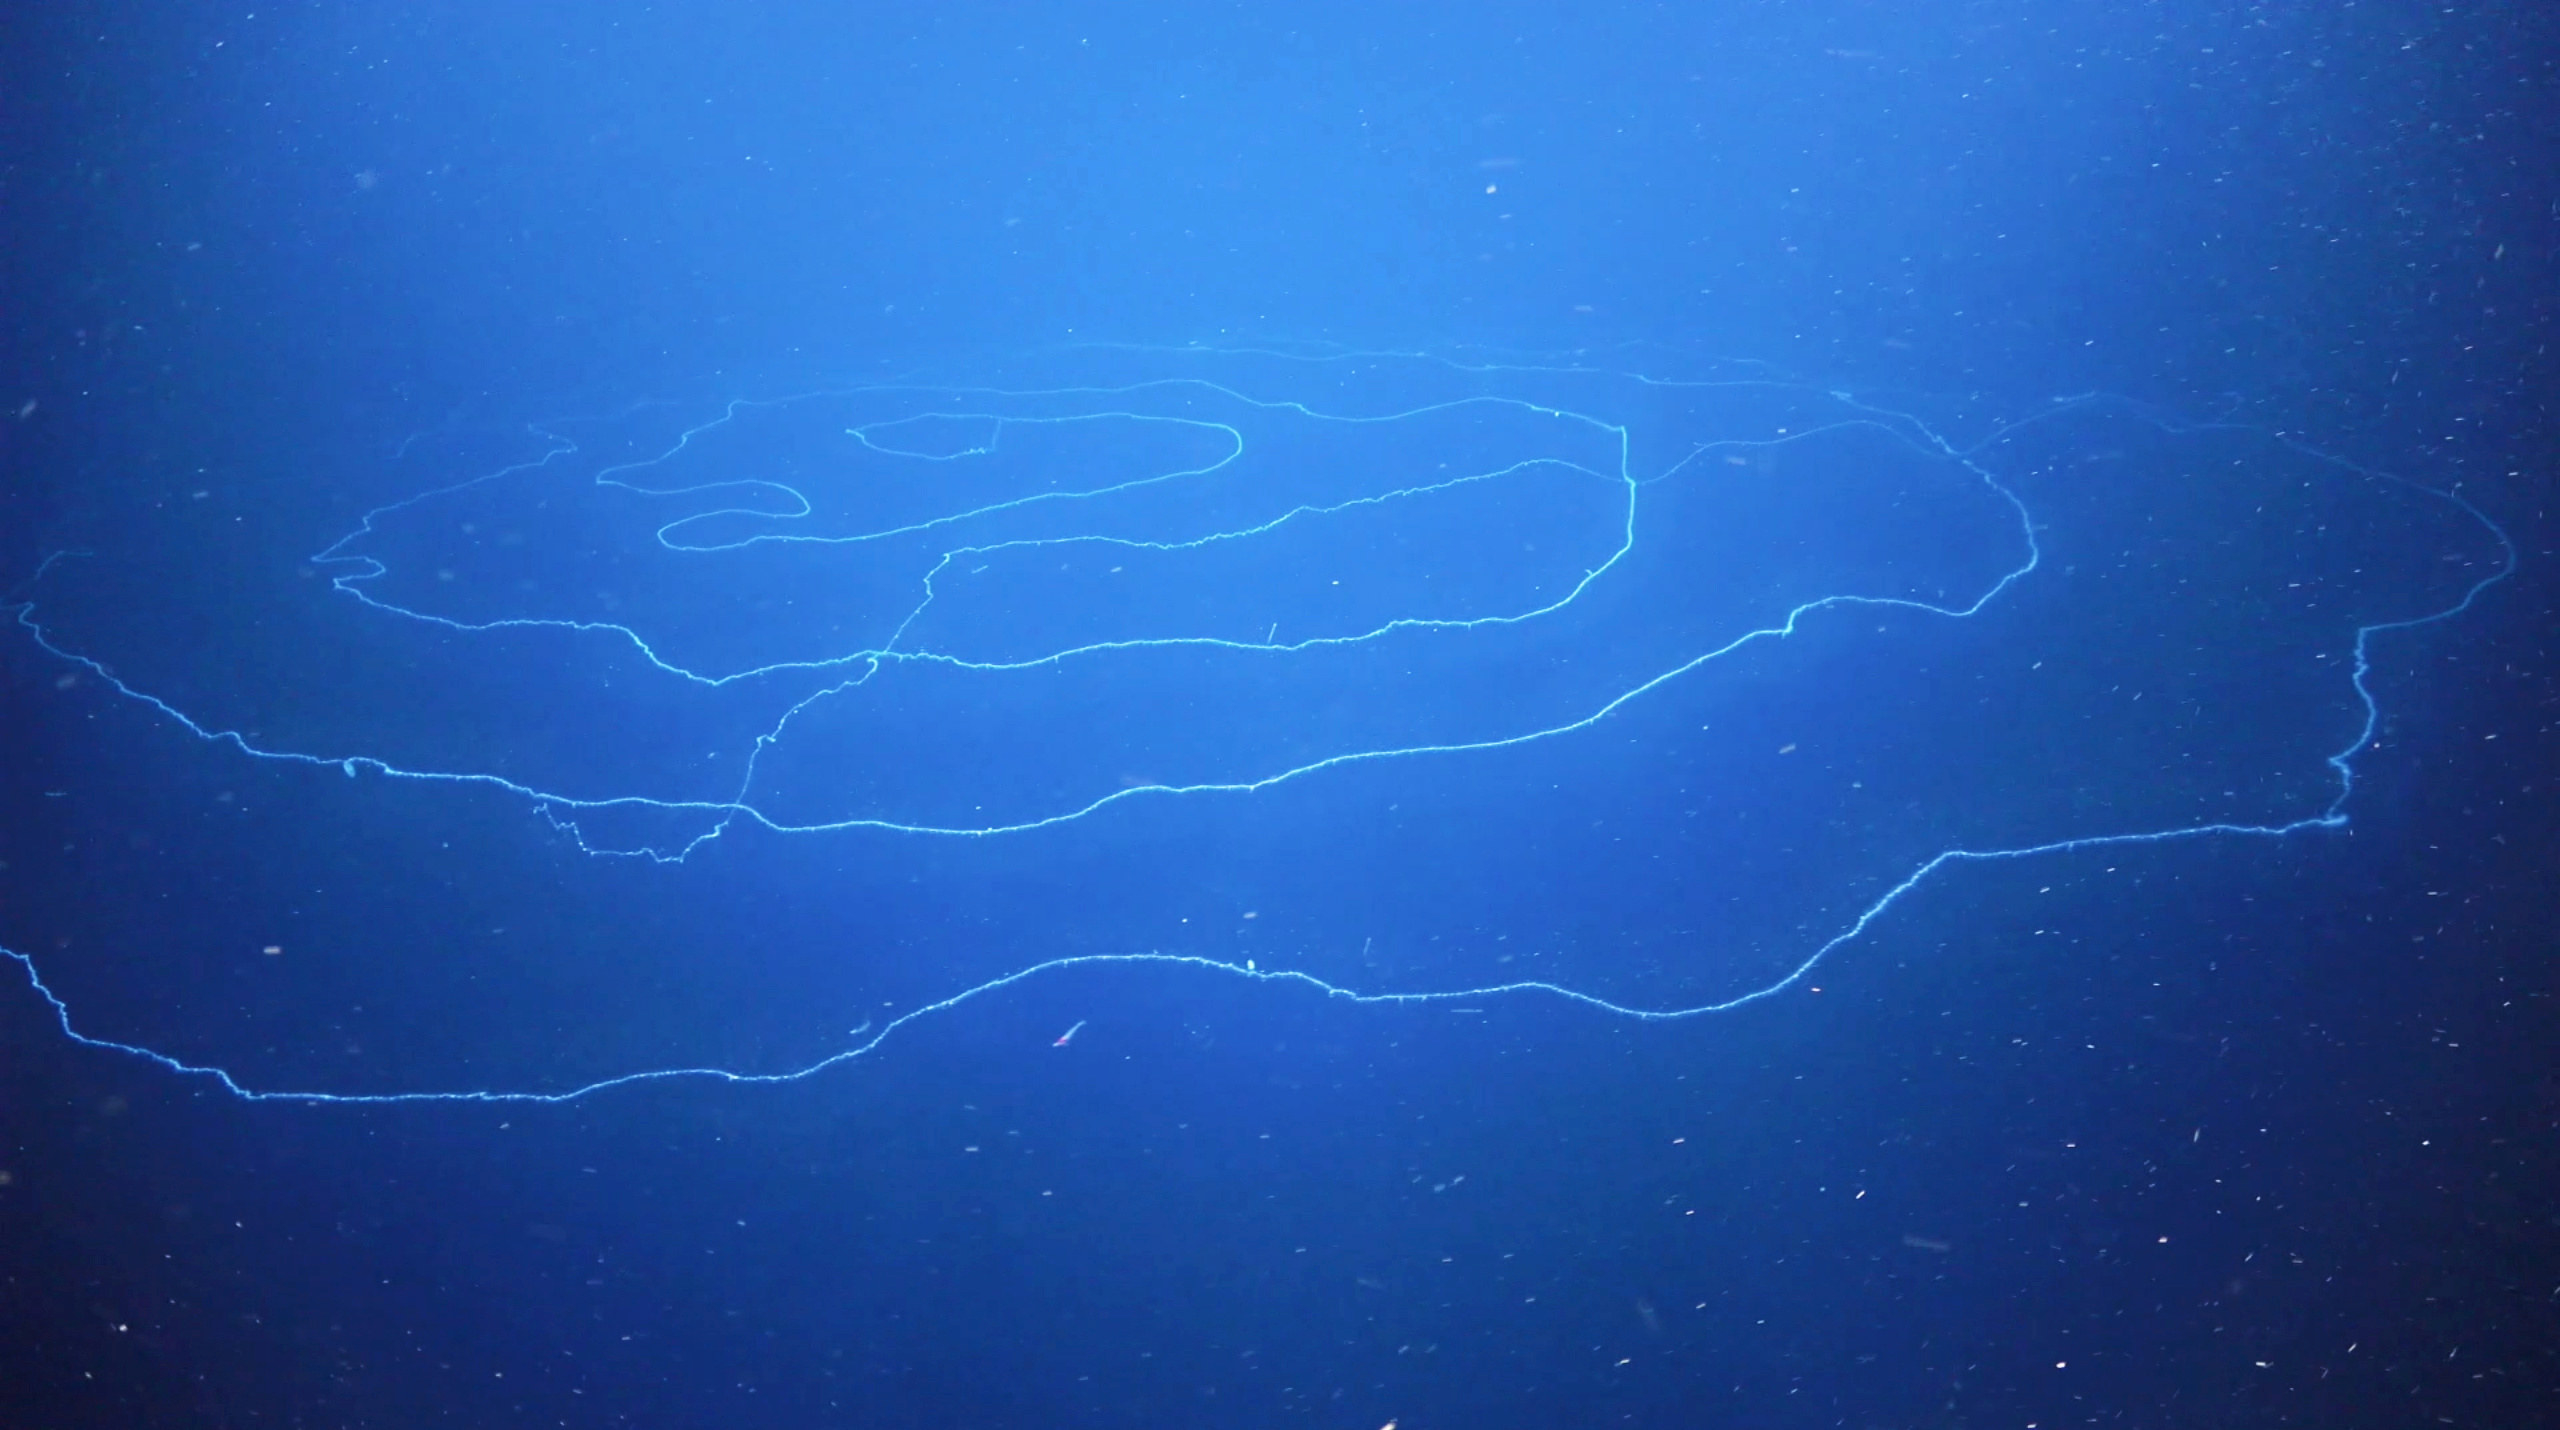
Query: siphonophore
x,y
1399,677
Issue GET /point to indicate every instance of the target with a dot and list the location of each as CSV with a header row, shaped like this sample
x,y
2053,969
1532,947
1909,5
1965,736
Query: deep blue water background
x,y
2245,1130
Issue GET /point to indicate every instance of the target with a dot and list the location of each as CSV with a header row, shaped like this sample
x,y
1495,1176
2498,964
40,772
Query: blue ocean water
x,y
1725,715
